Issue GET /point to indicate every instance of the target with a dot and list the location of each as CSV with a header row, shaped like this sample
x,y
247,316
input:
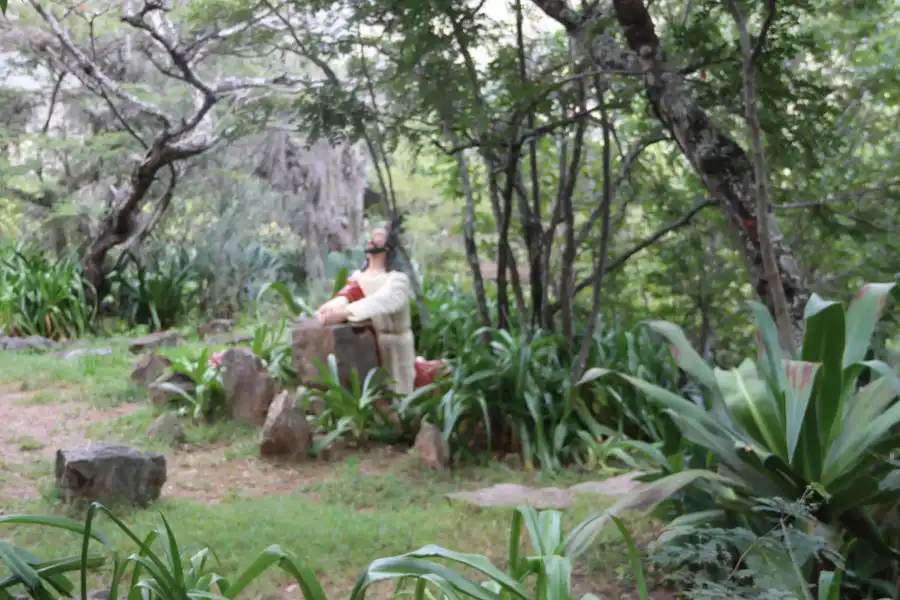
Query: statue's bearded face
x,y
378,242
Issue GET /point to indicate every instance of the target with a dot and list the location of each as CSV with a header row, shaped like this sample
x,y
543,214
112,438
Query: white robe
x,y
387,305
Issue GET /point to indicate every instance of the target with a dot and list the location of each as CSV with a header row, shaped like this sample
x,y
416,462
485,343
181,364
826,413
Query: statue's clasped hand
x,y
331,315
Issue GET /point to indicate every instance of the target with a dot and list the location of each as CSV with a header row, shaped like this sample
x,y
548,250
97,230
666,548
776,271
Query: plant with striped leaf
x,y
779,425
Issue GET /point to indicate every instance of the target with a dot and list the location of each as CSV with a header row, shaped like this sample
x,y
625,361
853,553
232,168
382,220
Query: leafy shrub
x,y
452,319
274,351
157,292
516,394
40,296
711,563
778,426
207,398
357,411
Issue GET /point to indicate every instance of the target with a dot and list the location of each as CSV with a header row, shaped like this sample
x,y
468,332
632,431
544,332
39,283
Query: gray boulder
x,y
82,352
112,474
285,434
34,342
216,326
353,348
248,386
160,394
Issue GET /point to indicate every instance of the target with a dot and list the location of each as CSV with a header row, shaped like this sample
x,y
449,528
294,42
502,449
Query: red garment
x,y
426,370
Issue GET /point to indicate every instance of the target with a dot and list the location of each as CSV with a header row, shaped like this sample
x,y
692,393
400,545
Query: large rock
x,y
111,474
160,339
285,433
248,386
353,347
34,342
149,368
512,495
431,447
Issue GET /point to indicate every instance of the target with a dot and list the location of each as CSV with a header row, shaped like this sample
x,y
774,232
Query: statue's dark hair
x,y
396,257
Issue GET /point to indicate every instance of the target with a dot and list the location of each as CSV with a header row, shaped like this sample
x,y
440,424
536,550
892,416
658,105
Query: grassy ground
x,y
337,517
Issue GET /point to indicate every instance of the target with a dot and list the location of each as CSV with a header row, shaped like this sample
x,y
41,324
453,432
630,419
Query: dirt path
x,y
31,432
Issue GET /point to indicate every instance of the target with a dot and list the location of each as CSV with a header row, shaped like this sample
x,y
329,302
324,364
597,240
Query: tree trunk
x,y
778,302
471,246
120,223
721,163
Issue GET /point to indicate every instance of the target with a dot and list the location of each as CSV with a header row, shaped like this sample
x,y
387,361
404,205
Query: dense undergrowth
x,y
777,475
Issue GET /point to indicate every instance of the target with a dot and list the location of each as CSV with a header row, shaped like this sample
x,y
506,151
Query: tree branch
x,y
627,164
644,244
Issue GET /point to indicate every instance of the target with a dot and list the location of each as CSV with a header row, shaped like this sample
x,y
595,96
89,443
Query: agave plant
x,y
46,579
779,426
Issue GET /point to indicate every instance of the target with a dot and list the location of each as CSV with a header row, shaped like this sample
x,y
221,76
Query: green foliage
x,y
158,292
515,392
295,307
356,410
40,296
205,398
778,426
711,563
42,577
158,568
269,344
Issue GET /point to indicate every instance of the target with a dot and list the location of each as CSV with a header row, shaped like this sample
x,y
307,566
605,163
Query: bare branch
x,y
92,71
627,164
644,244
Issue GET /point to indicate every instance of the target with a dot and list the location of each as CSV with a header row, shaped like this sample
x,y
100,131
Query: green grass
x,y
102,381
336,525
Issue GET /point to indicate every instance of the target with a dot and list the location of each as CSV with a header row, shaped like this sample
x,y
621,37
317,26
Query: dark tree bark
x,y
720,162
470,244
531,219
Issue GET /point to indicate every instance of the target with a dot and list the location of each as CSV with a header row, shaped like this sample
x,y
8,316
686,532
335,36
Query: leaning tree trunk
x,y
721,163
121,220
